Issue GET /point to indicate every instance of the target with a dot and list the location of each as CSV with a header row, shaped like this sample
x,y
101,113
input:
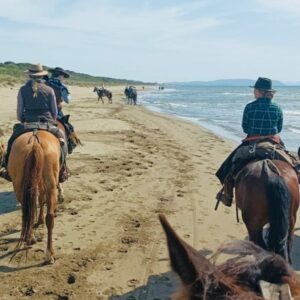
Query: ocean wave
x,y
293,129
292,112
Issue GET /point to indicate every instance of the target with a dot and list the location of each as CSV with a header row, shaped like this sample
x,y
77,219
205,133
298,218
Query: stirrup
x,y
224,199
4,174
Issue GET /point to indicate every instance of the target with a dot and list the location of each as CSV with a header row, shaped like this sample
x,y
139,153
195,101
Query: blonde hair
x,y
35,85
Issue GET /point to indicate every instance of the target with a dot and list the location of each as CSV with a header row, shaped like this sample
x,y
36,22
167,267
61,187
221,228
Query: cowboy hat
x,y
36,70
264,84
59,71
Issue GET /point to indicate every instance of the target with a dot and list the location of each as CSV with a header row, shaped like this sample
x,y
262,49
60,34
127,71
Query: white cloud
x,y
100,17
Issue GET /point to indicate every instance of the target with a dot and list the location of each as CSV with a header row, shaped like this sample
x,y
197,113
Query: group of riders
x,y
39,107
131,94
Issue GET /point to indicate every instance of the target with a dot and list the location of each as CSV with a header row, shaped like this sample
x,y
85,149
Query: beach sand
x,y
108,242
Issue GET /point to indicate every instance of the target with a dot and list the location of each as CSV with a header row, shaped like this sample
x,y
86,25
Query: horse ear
x,y
184,258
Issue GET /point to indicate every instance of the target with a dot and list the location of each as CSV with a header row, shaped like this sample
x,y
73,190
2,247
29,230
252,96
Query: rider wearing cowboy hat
x,y
62,95
61,91
36,104
262,121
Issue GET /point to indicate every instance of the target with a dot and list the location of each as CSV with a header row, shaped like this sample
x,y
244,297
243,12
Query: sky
x,y
156,40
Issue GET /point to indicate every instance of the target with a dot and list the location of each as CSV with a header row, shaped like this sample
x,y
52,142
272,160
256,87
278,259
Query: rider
x,y
58,76
36,104
262,121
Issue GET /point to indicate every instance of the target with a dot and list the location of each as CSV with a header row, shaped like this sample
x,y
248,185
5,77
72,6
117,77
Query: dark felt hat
x,y
264,84
59,71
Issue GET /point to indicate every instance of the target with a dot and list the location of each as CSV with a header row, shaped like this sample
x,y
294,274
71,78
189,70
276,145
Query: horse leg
x,y
51,205
41,216
60,193
256,236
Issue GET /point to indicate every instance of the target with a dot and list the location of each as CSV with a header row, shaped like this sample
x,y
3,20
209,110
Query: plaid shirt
x,y
262,117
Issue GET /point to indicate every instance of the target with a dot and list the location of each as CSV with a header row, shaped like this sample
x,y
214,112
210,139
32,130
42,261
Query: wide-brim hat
x,y
59,71
36,70
264,84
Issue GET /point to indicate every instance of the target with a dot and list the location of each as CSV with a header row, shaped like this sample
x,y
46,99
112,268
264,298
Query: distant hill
x,y
224,82
13,73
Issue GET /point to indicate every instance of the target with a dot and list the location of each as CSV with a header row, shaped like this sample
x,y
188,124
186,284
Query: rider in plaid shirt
x,y
262,117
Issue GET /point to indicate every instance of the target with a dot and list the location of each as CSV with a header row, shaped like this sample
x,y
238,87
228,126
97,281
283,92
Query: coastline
x,y
134,164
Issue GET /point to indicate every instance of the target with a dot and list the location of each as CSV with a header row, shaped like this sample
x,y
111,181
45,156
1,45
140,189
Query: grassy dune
x,y
13,73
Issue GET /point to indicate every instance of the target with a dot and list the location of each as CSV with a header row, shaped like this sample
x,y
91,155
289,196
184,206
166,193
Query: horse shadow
x,y
158,287
8,202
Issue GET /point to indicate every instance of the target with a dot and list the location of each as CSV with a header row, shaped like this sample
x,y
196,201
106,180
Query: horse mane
x,y
237,278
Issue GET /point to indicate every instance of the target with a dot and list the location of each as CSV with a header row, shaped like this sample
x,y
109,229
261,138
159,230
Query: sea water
x,y
220,108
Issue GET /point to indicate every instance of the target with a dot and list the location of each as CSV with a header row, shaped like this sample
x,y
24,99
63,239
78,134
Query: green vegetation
x,y
13,73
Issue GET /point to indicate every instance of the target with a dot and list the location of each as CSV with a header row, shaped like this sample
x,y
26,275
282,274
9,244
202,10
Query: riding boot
x,y
64,173
3,171
225,195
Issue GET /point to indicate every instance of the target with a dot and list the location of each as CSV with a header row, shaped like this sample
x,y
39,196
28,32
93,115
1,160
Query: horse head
x,y
236,278
95,89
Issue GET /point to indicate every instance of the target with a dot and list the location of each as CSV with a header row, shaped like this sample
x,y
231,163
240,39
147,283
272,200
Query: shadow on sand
x,y
8,202
159,287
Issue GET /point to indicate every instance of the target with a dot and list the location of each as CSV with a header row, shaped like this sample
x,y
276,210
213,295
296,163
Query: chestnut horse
x,y
239,277
267,191
33,166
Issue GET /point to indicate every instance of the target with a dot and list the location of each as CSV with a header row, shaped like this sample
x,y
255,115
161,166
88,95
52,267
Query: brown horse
x,y
33,166
239,277
102,92
268,192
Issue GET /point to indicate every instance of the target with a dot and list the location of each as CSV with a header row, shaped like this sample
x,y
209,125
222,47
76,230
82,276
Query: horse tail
x,y
279,200
32,179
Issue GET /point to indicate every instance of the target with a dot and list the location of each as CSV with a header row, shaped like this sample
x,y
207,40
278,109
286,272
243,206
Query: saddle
x,y
21,128
265,149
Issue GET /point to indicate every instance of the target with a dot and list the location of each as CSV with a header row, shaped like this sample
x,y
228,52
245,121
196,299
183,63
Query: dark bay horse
x,y
268,192
131,95
102,92
238,278
33,166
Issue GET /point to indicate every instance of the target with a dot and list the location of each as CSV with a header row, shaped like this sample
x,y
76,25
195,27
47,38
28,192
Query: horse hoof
x,y
32,241
61,199
50,260
38,224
